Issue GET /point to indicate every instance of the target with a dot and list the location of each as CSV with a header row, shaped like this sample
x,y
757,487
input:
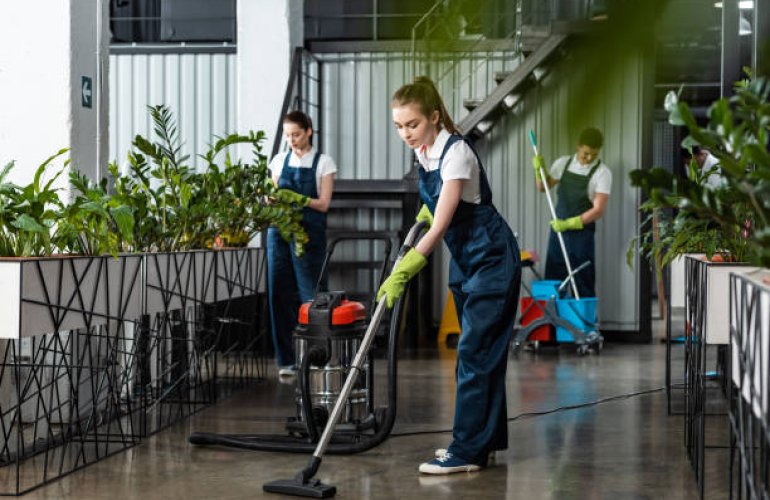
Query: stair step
x,y
471,104
502,75
532,37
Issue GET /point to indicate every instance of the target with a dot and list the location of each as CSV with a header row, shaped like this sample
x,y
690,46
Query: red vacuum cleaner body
x,y
326,339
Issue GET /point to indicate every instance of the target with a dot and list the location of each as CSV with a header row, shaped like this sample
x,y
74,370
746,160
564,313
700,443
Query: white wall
x,y
48,46
33,83
267,33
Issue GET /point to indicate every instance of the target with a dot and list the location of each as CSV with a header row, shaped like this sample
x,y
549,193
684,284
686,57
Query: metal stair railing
x,y
437,19
303,92
434,21
516,81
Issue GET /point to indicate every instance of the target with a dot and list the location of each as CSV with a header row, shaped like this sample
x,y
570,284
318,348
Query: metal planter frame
x,y
98,352
64,365
750,386
707,328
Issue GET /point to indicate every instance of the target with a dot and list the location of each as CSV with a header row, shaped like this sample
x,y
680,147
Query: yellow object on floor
x,y
529,255
449,322
450,325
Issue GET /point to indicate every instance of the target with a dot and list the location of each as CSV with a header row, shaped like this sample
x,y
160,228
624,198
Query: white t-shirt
x,y
326,165
601,182
459,163
714,180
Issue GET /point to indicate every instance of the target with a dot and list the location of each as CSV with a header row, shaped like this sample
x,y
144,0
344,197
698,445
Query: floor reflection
x,y
623,449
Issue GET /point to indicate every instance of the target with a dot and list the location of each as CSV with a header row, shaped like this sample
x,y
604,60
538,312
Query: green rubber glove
x,y
571,224
393,287
539,163
289,196
425,216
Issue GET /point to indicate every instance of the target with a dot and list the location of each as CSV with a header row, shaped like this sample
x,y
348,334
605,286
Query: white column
x,y
49,46
267,34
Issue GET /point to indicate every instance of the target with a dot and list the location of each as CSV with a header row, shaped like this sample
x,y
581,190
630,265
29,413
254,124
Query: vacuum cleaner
x,y
334,396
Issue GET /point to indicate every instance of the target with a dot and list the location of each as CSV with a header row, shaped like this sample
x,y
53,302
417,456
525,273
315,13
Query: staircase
x,y
511,85
539,47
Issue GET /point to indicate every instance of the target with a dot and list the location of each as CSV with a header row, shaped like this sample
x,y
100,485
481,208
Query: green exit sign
x,y
87,91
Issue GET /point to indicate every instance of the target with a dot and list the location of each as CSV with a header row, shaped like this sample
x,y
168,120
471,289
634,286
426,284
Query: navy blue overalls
x,y
484,276
292,280
573,201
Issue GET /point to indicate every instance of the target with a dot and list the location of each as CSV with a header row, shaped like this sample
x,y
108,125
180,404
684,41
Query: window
x,y
157,21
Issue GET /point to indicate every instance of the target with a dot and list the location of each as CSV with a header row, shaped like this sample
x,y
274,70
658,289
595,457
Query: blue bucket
x,y
545,289
581,313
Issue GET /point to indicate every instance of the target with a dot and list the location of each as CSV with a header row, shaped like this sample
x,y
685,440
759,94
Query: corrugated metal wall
x,y
357,126
200,88
359,134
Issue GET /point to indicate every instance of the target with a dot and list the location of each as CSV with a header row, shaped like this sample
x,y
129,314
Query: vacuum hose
x,y
318,357
340,445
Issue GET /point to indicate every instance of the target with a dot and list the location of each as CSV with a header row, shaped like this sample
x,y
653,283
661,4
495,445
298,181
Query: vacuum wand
x,y
544,179
358,362
303,484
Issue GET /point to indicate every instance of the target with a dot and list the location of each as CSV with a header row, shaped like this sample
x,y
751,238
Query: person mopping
x,y
584,184
484,273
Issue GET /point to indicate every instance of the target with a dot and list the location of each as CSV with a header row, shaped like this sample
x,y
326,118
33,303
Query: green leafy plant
x,y
163,204
732,218
94,223
29,213
161,178
177,208
239,193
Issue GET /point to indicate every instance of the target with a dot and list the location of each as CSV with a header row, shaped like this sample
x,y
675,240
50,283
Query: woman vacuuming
x,y
484,272
305,177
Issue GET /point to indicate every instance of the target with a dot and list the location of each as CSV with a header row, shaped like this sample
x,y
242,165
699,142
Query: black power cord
x,y
534,414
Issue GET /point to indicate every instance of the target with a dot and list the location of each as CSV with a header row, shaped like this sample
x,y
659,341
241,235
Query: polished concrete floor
x,y
621,449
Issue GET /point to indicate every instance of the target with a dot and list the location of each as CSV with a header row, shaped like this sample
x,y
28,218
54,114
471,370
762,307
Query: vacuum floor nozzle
x,y
313,488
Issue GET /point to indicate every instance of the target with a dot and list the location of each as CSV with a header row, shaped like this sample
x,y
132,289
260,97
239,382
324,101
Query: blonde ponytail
x,y
423,92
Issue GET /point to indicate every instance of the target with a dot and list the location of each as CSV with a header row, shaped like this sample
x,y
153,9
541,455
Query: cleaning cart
x,y
548,312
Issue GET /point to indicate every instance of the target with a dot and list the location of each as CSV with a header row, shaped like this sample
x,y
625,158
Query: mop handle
x,y
553,216
363,349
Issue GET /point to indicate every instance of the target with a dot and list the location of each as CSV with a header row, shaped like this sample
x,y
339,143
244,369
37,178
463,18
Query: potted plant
x,y
53,256
729,221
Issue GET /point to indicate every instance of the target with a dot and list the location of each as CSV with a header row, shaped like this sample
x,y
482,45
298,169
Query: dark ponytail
x,y
423,93
300,118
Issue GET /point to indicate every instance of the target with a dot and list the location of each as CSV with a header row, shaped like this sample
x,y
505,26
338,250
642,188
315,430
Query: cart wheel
x,y
583,349
515,349
598,347
593,337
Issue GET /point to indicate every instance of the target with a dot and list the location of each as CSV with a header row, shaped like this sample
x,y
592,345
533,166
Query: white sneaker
x,y
448,464
440,452
287,371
